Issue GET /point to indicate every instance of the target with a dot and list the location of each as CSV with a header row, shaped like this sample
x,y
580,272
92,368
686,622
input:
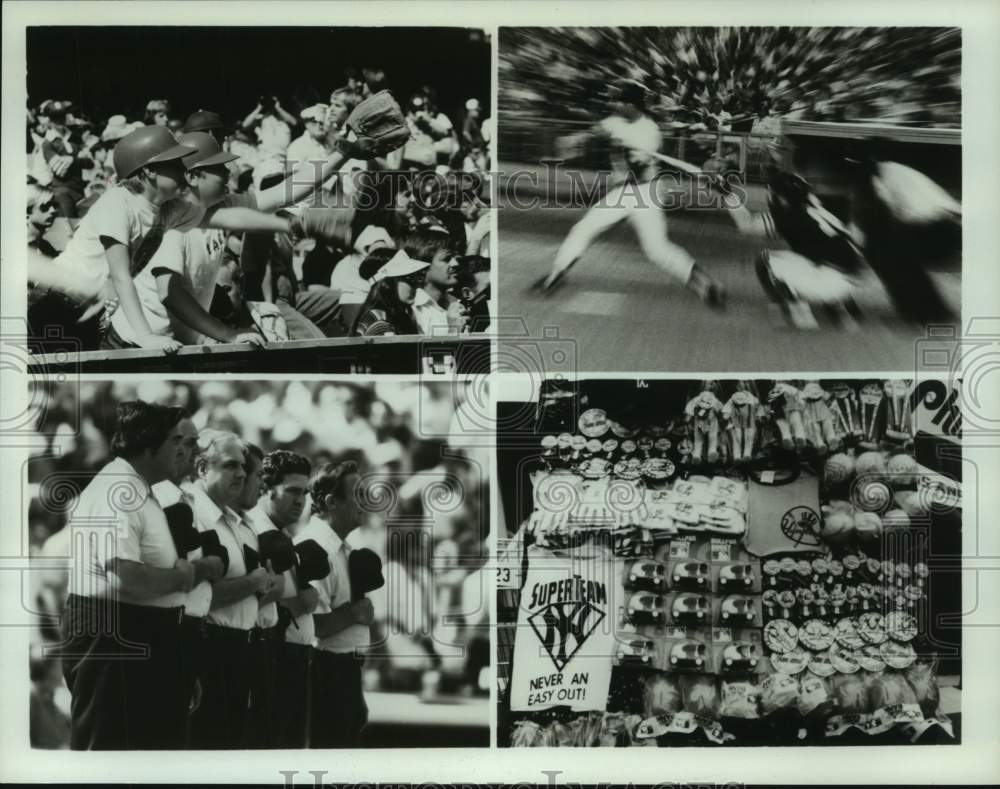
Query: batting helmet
x,y
144,146
203,150
203,120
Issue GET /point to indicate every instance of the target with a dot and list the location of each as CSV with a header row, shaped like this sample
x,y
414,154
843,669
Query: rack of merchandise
x,y
733,563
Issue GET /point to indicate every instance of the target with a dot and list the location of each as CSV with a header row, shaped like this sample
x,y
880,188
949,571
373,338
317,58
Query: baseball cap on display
x,y
203,120
399,265
371,237
205,151
317,112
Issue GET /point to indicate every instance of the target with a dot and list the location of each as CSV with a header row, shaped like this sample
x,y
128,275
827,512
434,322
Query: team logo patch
x,y
801,526
564,627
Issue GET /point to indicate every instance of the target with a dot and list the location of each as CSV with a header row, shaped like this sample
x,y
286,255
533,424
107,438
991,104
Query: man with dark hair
x,y
342,625
472,276
127,593
231,624
436,309
259,716
284,489
177,505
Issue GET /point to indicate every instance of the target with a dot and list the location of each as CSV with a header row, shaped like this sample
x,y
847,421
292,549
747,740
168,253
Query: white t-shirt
x,y
196,255
632,141
117,517
125,217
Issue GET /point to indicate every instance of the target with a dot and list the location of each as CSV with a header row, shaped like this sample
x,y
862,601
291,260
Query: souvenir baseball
x,y
846,415
870,400
703,412
818,420
898,416
838,522
895,520
902,470
740,413
870,464
838,469
912,503
593,423
870,494
785,406
867,526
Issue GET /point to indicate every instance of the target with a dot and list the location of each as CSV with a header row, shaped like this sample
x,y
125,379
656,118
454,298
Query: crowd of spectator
x,y
118,214
425,500
732,78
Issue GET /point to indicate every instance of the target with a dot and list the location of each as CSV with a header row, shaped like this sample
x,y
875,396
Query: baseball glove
x,y
379,126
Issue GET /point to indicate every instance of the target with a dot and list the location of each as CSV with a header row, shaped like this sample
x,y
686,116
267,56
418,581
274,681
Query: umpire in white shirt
x,y
177,501
284,489
258,729
127,589
342,627
231,624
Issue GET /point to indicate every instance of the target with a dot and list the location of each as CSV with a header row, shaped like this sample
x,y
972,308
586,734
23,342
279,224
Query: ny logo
x,y
564,627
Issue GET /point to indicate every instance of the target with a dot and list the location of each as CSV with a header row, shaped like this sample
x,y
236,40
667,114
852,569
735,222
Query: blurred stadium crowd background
x,y
425,483
734,78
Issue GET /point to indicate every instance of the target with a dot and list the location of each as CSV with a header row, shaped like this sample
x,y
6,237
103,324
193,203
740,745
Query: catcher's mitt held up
x,y
378,125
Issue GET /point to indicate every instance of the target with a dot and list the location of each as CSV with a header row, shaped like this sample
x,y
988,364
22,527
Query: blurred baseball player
x,y
635,139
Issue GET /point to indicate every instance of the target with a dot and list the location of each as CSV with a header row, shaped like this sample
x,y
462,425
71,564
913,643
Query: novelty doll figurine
x,y
740,413
703,413
785,404
818,419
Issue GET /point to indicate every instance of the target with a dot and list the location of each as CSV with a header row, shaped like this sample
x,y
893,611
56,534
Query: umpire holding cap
x,y
231,624
342,626
126,595
284,482
177,501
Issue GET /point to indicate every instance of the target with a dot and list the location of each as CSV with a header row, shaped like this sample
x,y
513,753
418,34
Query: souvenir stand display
x,y
742,563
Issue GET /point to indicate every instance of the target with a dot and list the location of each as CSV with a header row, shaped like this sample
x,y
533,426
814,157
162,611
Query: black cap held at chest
x,y
365,569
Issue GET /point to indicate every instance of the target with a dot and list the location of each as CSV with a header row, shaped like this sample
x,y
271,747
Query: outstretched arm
x,y
185,307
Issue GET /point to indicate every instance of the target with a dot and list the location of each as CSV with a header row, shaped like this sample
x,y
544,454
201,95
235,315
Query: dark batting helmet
x,y
145,146
203,151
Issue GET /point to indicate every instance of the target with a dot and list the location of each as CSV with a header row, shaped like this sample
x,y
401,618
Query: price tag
x,y
680,549
508,568
722,635
722,550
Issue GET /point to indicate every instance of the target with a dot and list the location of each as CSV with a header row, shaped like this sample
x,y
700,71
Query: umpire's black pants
x,y
261,728
122,667
339,712
220,719
293,698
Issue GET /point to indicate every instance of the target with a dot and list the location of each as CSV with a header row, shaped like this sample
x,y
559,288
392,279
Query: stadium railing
x,y
445,355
